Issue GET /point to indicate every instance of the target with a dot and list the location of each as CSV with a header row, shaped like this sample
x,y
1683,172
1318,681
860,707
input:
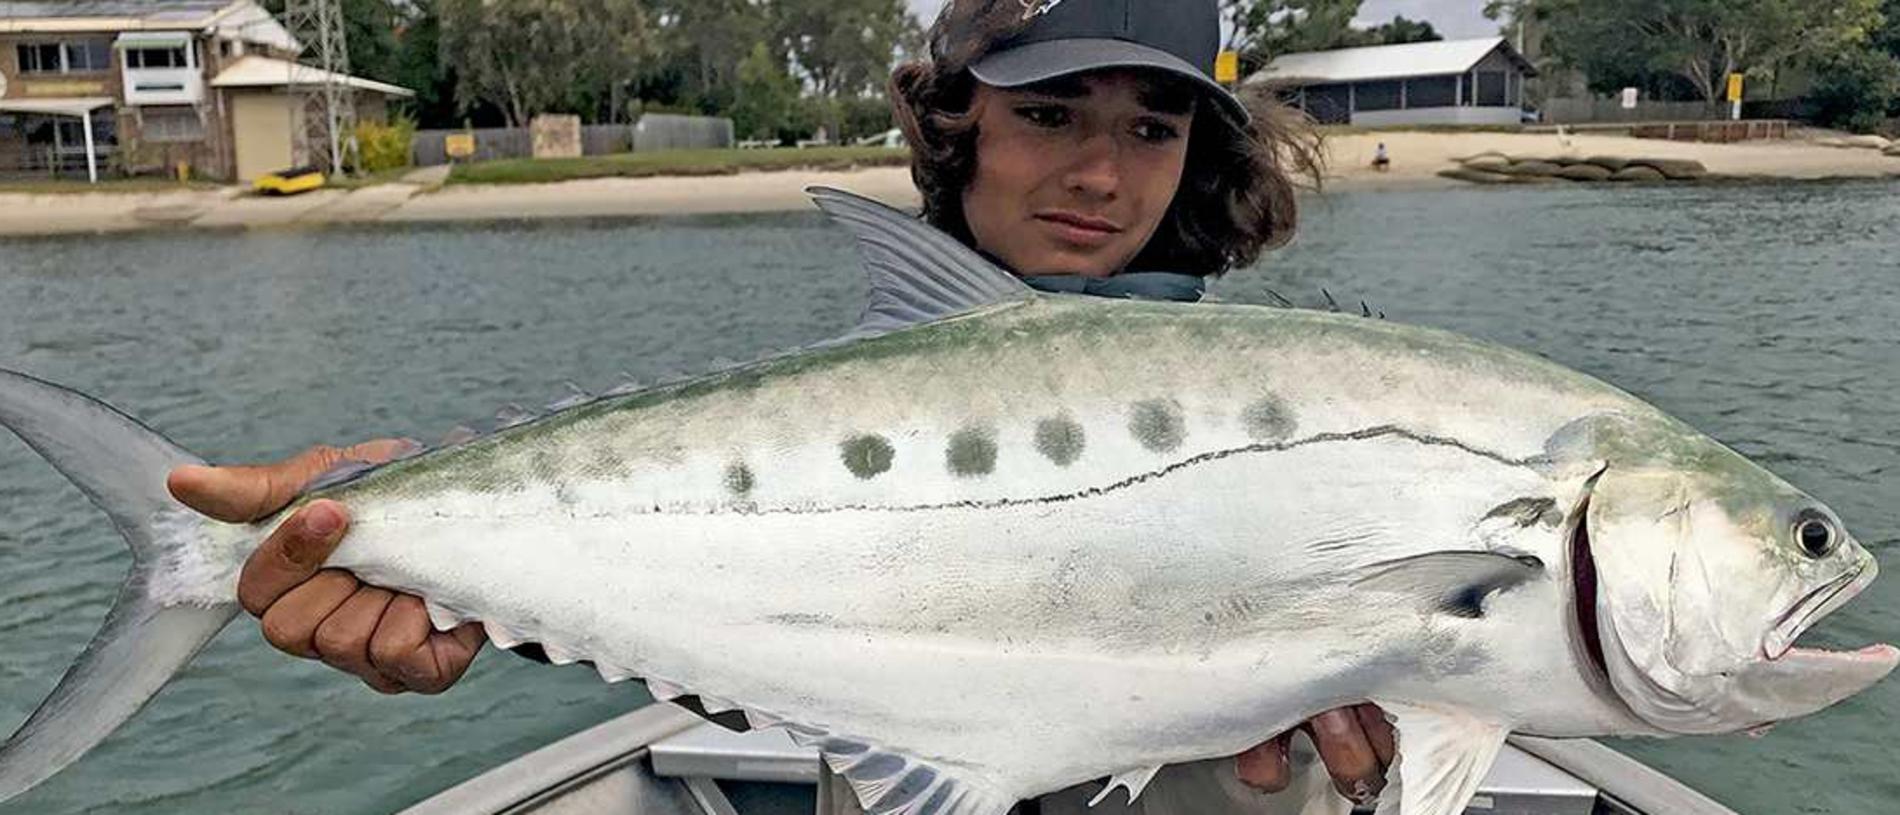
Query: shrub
x,y
385,146
1855,90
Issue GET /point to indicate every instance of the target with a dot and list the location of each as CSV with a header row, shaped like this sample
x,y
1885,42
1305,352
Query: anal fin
x,y
1443,754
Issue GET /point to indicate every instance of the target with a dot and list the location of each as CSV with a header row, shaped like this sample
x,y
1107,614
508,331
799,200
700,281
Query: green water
x,y
1763,315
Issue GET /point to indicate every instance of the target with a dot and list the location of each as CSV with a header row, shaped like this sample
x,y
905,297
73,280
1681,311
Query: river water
x,y
1764,315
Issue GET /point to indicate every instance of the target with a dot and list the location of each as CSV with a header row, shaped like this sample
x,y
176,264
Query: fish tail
x,y
179,594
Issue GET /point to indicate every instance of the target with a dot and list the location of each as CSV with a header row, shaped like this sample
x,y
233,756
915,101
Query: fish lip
x,y
1814,606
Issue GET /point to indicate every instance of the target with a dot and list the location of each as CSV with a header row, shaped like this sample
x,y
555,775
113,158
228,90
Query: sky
x,y
1456,19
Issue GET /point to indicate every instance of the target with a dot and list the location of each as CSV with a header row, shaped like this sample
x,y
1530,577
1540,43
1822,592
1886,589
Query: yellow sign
x,y
1735,87
64,88
1227,67
459,145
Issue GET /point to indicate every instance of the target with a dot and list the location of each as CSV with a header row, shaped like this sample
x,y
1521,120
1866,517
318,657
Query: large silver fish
x,y
998,543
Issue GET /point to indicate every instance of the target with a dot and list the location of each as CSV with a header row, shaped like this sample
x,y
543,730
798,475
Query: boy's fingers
x,y
1378,732
1265,767
290,555
1349,757
291,624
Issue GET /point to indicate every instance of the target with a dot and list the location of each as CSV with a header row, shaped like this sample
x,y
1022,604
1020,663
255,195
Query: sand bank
x,y
1416,159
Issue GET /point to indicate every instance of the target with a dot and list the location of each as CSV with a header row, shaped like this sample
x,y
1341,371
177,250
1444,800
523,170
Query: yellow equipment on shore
x,y
290,182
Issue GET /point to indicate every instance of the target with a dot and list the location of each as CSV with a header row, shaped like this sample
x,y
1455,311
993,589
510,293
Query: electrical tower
x,y
328,105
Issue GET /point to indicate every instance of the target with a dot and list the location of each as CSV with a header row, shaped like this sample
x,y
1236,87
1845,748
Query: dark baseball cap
x,y
1181,37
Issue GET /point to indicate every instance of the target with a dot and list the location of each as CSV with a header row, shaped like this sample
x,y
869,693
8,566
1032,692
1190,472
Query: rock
x,y
1830,142
1675,169
1585,172
1533,168
1475,176
1489,164
1638,172
1611,163
1488,154
1867,142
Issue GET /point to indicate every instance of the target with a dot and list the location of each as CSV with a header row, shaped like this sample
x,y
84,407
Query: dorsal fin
x,y
918,273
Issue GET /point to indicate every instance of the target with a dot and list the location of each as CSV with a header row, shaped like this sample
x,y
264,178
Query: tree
x,y
767,96
842,49
528,57
1700,41
1401,31
1855,90
1264,29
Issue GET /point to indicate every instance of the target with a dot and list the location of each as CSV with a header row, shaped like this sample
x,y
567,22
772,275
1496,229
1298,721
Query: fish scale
x,y
993,544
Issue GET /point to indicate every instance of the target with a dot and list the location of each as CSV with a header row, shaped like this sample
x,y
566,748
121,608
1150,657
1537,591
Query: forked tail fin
x,y
180,592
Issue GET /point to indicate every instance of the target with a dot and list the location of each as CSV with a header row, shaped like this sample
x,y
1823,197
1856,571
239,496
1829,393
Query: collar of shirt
x,y
1183,288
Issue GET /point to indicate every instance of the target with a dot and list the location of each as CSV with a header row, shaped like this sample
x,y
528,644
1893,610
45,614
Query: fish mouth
x,y
1817,604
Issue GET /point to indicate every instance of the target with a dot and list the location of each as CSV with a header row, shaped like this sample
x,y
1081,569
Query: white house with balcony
x,y
1456,82
153,85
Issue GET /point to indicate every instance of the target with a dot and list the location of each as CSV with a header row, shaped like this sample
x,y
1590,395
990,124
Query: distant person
x,y
1084,145
1381,161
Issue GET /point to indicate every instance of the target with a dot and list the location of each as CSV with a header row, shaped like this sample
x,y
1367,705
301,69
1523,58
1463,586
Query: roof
x,y
78,106
109,14
1378,62
235,19
255,71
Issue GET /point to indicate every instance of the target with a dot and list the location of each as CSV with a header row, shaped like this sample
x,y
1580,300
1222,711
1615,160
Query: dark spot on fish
x,y
972,452
1268,420
867,456
1059,438
1527,512
739,480
1158,425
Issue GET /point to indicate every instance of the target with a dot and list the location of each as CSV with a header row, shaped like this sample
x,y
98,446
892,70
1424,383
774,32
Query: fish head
x,y
1696,570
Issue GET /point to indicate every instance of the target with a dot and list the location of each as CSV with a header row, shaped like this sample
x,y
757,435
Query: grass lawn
x,y
675,163
65,186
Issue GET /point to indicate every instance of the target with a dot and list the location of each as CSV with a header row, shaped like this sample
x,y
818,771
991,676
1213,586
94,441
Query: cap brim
x,y
1040,61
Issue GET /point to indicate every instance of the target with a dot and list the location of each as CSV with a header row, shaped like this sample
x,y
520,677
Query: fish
x,y
994,543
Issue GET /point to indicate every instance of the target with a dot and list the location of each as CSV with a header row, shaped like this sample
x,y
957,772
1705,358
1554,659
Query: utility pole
x,y
326,105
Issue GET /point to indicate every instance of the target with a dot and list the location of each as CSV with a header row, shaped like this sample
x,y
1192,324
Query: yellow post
x,y
1735,96
1227,67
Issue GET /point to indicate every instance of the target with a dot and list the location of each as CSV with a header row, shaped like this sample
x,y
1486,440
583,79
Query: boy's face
x,y
1074,175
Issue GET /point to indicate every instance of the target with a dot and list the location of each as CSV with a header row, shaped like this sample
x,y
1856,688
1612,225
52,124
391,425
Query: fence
x,y
655,131
1567,111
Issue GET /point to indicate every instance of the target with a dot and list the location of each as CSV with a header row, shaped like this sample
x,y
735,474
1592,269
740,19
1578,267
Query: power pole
x,y
327,105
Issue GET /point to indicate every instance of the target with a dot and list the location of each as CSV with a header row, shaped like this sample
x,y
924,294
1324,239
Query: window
x,y
40,58
88,56
172,126
1491,91
75,57
156,58
1431,92
1377,96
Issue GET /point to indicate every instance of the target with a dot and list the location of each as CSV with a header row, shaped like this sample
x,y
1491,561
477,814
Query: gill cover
x,y
1698,574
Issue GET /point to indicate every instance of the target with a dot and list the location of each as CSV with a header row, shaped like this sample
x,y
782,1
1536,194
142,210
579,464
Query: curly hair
x,y
1238,187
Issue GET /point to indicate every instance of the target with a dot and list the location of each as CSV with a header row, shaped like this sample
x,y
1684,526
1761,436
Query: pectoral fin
x,y
1443,754
1454,583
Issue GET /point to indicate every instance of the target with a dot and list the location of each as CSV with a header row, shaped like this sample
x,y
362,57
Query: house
x,y
1456,82
153,85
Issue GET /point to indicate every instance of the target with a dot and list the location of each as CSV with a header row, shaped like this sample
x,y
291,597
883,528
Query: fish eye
x,y
1816,533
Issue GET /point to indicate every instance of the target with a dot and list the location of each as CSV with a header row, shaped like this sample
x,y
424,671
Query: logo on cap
x,y
1035,8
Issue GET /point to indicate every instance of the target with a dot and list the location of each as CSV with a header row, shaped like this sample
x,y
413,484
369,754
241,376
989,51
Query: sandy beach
x,y
1417,158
